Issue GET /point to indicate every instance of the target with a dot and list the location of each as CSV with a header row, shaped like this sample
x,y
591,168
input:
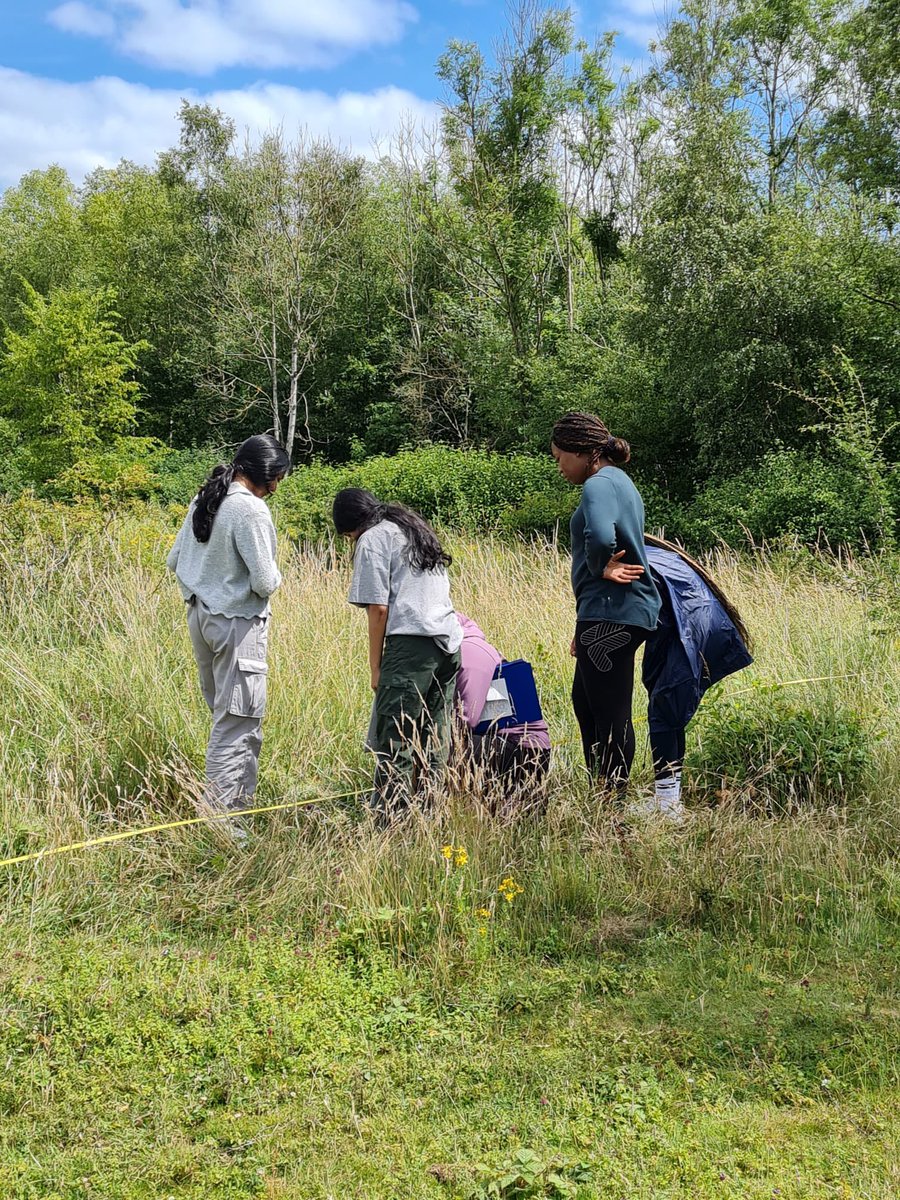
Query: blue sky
x,y
87,82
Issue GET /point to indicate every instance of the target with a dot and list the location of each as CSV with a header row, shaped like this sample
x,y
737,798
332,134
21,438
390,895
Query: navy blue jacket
x,y
694,645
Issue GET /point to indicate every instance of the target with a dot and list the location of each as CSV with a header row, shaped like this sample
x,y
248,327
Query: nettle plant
x,y
527,1175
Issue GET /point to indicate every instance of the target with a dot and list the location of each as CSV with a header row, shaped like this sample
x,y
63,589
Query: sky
x,y
86,83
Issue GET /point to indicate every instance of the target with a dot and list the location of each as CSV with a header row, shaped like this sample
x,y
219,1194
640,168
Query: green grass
x,y
705,1012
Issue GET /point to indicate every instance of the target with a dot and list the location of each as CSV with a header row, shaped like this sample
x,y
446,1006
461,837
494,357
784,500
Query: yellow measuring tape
x,y
130,833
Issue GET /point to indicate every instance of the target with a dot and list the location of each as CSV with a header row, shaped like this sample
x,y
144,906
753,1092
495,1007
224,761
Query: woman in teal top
x,y
612,620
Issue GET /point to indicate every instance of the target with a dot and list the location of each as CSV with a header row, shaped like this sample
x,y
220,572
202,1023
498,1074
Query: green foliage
x,y
40,239
805,498
180,473
679,249
528,1174
781,753
64,380
127,468
858,138
467,490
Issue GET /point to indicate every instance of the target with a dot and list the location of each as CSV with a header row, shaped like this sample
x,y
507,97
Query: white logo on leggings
x,y
601,640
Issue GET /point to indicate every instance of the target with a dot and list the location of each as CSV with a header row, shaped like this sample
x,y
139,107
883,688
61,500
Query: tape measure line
x,y
122,836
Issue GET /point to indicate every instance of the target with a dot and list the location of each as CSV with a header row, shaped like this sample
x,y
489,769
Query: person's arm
x,y
377,615
254,537
370,588
172,556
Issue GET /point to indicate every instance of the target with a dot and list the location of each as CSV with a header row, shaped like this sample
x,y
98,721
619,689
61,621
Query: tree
x,y
787,53
860,137
40,238
65,379
138,238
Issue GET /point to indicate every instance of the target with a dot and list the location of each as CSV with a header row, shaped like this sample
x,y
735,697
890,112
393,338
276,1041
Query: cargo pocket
x,y
248,697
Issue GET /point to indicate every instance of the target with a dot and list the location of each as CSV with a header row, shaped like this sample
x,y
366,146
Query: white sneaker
x,y
656,808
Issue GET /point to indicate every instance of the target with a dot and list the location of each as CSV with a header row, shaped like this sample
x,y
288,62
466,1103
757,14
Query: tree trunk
x,y
292,401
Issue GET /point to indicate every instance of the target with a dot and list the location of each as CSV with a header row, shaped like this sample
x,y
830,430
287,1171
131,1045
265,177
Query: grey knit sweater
x,y
234,573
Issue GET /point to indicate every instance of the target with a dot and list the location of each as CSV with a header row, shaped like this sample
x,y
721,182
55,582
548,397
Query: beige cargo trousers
x,y
231,659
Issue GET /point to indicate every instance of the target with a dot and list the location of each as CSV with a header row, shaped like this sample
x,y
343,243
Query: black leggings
x,y
601,697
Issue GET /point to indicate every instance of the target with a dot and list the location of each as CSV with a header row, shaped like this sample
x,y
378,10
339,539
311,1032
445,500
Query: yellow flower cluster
x,y
458,855
509,889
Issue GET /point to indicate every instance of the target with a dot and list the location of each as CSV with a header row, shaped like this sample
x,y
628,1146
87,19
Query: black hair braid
x,y
583,433
209,498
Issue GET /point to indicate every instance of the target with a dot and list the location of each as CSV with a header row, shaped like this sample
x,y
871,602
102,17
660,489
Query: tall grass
x,y
103,728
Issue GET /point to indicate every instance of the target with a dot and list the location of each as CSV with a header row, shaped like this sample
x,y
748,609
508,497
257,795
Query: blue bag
x,y
516,680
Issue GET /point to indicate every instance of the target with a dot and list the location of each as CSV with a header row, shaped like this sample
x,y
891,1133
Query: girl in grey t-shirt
x,y
400,578
224,561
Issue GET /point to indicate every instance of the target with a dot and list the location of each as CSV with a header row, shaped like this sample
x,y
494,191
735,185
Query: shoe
x,y
653,808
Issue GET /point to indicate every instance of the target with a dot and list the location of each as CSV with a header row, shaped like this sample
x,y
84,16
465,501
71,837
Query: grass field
x,y
573,1005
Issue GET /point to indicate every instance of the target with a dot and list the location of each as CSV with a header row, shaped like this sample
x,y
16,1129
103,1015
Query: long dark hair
x,y
355,510
733,614
261,458
583,433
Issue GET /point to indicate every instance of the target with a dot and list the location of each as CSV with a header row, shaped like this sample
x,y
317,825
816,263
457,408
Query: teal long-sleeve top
x,y
610,518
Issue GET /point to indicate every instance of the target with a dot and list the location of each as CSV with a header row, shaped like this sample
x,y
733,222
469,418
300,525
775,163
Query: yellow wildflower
x,y
447,852
484,913
461,856
509,889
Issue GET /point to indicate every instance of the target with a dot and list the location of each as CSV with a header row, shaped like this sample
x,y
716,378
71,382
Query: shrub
x,y
778,751
808,498
13,467
180,472
470,490
124,469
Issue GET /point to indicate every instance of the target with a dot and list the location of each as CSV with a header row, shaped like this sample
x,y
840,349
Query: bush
x,y
468,490
125,469
811,499
13,467
779,752
181,472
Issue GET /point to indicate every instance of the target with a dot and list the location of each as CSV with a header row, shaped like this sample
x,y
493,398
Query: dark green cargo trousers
x,y
412,717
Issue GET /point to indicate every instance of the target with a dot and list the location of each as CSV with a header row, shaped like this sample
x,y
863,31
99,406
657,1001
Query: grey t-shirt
x,y
234,573
418,602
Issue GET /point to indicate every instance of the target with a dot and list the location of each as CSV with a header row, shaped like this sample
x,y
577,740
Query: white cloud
x,y
202,36
76,17
86,125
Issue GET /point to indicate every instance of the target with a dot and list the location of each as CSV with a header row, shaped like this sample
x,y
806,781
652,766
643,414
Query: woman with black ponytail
x,y
400,578
224,561
617,604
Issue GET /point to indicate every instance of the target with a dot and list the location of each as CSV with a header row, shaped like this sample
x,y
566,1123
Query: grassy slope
x,y
703,1013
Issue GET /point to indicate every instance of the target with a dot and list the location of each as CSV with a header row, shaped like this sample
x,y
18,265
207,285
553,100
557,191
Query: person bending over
x,y
516,757
699,640
400,578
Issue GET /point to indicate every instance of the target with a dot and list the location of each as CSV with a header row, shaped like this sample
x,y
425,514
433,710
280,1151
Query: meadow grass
x,y
709,1011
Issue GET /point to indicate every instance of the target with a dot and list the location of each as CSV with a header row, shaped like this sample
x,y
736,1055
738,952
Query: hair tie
x,y
611,443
